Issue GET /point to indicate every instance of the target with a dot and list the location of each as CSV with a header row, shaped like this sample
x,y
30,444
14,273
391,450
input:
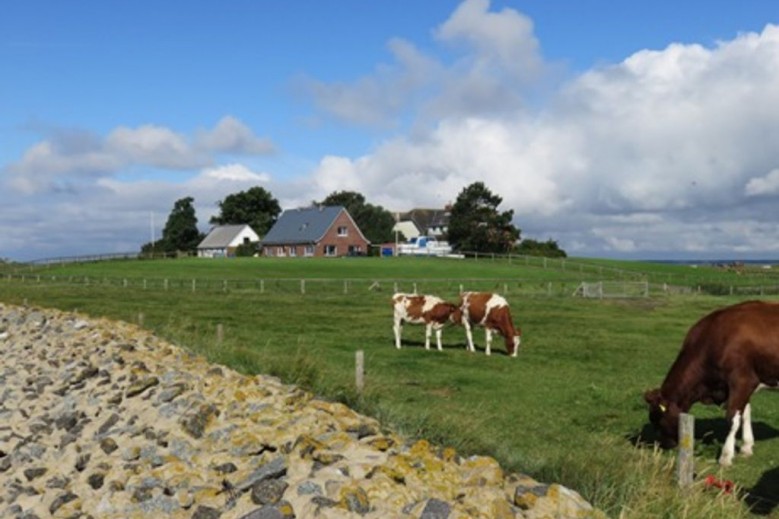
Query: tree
x,y
374,221
180,232
255,207
476,225
549,248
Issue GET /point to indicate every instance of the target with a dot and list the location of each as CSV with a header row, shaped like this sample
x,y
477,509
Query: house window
x,y
330,250
309,250
293,251
343,231
280,251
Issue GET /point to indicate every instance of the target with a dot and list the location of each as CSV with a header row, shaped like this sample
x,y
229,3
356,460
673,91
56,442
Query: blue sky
x,y
620,129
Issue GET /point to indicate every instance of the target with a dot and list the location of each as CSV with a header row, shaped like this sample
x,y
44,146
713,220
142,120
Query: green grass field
x,y
568,409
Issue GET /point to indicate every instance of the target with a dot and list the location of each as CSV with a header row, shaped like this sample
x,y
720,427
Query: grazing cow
x,y
431,311
490,311
726,356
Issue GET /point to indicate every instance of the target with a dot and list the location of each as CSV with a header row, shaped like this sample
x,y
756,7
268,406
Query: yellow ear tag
x,y
663,408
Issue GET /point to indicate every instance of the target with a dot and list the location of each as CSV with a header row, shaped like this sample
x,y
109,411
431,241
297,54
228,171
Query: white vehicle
x,y
424,246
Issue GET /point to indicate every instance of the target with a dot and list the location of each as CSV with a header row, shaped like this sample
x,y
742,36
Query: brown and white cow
x,y
726,356
490,311
429,310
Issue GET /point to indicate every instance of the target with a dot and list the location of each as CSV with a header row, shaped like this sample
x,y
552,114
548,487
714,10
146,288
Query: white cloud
x,y
235,172
503,42
766,185
232,136
155,146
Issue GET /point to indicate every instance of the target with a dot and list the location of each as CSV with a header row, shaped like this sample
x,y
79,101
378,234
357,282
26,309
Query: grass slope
x,y
568,409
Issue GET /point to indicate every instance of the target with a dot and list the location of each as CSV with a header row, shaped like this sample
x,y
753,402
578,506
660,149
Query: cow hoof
x,y
725,461
745,451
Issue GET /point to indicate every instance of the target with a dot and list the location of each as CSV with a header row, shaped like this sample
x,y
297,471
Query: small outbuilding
x,y
223,240
315,231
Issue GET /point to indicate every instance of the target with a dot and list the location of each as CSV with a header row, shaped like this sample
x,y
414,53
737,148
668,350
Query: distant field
x,y
567,409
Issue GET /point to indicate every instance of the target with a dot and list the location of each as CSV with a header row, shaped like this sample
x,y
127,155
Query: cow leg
x,y
487,340
438,339
428,333
746,432
737,403
398,329
468,335
726,457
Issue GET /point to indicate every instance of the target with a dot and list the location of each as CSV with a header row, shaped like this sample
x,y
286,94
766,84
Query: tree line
x,y
475,223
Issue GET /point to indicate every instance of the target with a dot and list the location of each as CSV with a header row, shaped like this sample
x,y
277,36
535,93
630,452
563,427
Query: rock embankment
x,y
101,419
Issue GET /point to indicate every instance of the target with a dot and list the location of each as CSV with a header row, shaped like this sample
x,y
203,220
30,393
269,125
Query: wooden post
x,y
140,319
415,288
346,287
685,466
302,286
359,370
193,285
220,334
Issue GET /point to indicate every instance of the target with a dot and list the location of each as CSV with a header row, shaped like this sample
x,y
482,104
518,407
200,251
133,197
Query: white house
x,y
224,239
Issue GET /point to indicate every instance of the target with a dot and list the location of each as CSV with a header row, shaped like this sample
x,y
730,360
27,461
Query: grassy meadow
x,y
568,409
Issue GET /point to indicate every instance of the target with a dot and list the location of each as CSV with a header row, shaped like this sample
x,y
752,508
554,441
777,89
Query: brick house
x,y
315,232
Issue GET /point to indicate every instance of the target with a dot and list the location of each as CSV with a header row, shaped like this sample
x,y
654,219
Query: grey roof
x,y
307,225
221,236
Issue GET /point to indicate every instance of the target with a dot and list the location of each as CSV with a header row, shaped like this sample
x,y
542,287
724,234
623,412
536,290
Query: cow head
x,y
664,415
456,314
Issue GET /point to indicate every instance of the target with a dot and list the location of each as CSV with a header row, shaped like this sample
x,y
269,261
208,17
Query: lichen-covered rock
x,y
102,419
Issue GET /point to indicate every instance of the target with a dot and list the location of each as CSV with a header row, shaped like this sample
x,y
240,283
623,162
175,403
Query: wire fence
x,y
446,287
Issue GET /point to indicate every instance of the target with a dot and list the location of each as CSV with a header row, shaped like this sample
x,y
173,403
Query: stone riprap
x,y
102,419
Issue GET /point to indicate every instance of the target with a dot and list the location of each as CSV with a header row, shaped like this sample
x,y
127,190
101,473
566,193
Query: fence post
x,y
262,286
415,288
302,286
166,284
346,287
220,334
140,319
359,370
193,284
685,467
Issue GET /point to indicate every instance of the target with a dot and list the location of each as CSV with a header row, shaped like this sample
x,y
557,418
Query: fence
x,y
444,287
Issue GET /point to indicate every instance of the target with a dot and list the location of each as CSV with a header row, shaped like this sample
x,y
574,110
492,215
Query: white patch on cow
x,y
729,449
430,303
493,302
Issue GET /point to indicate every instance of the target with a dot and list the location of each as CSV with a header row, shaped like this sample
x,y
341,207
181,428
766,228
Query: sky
x,y
635,130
